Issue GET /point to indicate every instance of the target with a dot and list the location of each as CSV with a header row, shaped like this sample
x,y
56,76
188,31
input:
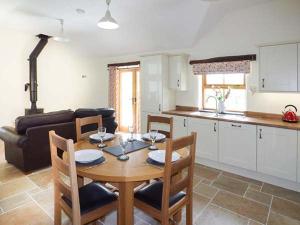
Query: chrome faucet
x,y
216,100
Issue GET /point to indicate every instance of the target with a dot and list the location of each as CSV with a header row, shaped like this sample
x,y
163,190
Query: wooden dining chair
x,y
161,120
165,198
82,205
84,125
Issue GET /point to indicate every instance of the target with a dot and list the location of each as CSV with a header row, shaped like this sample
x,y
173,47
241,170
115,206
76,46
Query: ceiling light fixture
x,y
61,37
107,22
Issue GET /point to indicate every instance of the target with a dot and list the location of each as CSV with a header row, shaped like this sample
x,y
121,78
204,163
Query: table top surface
x,y
113,170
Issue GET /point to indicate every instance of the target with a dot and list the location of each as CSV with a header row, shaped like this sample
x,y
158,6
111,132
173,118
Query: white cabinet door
x,y
277,152
298,157
207,137
180,128
237,144
178,72
278,68
151,84
298,67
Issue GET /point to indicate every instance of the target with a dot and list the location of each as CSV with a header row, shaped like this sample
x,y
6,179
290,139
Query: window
x,y
219,85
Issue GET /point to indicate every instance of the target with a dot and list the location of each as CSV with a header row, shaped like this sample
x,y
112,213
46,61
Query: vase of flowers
x,y
221,96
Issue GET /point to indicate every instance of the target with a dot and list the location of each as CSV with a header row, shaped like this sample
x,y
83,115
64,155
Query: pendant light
x,y
107,22
61,37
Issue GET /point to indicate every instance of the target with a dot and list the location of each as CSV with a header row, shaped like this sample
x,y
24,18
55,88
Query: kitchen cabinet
x,y
178,70
180,126
155,94
277,152
278,68
207,137
237,144
299,67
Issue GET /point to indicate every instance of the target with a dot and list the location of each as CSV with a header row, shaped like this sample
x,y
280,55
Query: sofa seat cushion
x,y
104,112
22,123
152,195
93,196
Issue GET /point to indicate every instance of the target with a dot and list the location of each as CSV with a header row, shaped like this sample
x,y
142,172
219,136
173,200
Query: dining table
x,y
125,175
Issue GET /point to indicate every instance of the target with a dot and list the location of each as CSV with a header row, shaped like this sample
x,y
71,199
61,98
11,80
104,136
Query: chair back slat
x,y
162,120
80,122
61,166
173,181
178,186
180,165
64,189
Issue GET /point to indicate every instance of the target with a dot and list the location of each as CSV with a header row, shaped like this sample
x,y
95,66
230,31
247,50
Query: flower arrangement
x,y
221,94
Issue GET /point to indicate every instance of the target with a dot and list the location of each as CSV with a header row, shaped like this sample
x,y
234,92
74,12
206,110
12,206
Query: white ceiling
x,y
145,25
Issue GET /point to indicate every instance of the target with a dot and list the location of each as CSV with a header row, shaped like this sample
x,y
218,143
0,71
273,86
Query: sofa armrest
x,y
9,135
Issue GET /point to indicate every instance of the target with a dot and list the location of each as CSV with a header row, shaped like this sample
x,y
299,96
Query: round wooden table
x,y
127,175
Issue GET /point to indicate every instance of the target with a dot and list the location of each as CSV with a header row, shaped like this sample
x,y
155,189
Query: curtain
x,y
222,67
114,89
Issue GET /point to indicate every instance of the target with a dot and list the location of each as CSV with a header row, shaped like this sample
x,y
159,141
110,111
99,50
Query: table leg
x,y
126,207
80,181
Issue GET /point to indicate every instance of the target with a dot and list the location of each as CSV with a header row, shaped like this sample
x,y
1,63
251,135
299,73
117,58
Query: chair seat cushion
x,y
92,196
152,195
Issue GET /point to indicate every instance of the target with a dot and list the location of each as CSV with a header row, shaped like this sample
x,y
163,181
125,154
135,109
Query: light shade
x,y
107,22
61,39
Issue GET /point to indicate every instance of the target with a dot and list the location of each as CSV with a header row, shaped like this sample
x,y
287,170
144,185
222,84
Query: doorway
x,y
129,96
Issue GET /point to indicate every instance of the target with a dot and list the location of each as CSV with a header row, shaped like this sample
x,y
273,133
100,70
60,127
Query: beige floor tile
x,y
206,172
286,208
281,192
205,190
245,179
276,219
214,215
14,201
42,179
15,186
258,196
251,222
45,199
208,182
29,214
196,180
254,187
229,184
9,173
242,206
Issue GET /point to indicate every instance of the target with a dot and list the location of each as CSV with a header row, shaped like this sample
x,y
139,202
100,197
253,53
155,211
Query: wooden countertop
x,y
271,122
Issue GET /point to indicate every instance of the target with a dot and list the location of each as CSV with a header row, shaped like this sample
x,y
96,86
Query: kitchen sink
x,y
225,113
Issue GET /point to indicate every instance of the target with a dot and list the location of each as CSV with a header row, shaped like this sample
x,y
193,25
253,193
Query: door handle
x,y
233,125
260,133
263,83
184,122
178,83
215,127
159,108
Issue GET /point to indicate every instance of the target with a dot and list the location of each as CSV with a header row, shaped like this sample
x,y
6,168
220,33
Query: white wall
x,y
60,81
241,32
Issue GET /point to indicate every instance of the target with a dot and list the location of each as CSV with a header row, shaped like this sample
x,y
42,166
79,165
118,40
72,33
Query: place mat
x,y
153,162
131,147
96,162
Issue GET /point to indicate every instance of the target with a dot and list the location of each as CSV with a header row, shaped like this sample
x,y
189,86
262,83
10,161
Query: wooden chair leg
x,y
57,213
189,214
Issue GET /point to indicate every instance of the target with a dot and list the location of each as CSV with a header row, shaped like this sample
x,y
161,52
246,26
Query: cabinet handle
x,y
159,108
260,135
215,127
184,122
263,83
233,125
178,83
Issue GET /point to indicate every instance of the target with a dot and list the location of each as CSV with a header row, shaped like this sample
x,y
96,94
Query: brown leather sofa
x,y
27,145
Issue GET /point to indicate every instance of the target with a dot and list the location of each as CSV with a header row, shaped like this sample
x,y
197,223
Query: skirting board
x,y
250,174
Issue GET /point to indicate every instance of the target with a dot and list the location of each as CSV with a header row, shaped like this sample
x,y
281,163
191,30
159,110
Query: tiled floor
x,y
220,198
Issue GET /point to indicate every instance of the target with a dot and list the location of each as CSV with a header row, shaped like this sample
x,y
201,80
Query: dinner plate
x,y
159,137
87,155
96,137
159,156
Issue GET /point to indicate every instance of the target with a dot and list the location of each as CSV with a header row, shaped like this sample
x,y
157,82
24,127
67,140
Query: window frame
x,y
221,86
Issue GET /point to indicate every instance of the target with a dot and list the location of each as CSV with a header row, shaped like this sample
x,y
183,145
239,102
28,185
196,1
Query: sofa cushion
x,y
22,123
85,112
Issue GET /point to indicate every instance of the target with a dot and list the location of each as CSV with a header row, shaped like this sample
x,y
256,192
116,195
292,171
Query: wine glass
x,y
101,133
123,145
131,130
153,136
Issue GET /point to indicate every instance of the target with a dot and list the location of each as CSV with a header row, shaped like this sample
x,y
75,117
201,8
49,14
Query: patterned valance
x,y
222,67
